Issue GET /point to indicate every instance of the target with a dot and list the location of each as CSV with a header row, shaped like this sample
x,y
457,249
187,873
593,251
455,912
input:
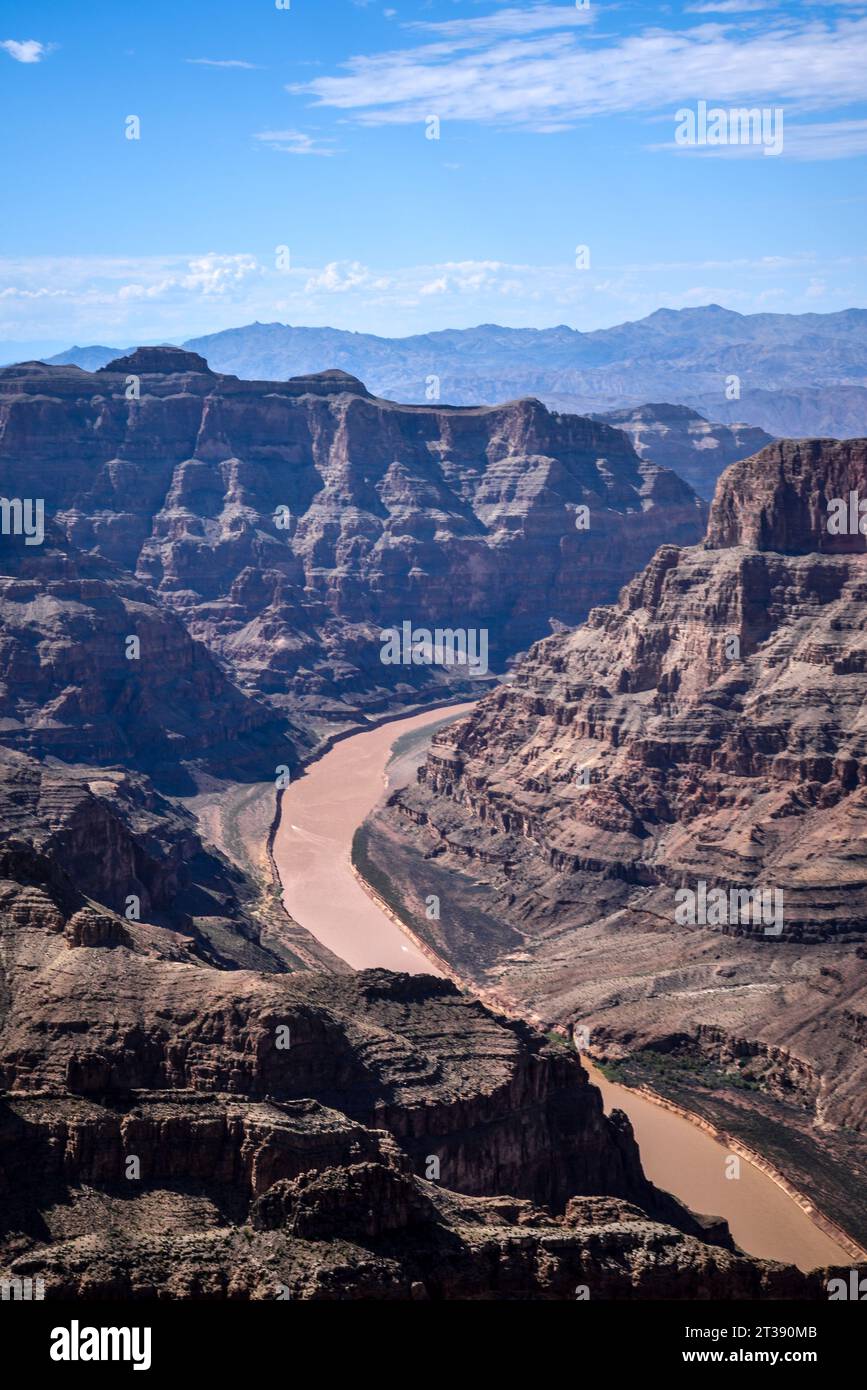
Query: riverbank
x,y
308,846
754,1214
818,1242
762,1199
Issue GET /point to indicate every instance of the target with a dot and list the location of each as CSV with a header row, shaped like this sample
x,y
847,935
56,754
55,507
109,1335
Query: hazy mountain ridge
x,y
799,373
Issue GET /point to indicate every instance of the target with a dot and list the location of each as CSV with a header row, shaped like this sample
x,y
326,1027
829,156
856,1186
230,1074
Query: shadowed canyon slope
x,y
171,1129
287,523
73,688
709,728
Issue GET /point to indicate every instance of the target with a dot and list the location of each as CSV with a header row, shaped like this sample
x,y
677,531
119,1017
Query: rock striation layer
x,y
94,670
255,1136
189,1106
684,441
173,1128
705,733
287,523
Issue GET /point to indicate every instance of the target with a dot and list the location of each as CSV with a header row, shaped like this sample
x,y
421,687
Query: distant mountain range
x,y
798,374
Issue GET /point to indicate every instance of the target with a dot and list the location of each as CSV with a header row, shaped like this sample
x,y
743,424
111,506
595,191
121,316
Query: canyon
x,y
287,524
200,1099
706,729
173,1127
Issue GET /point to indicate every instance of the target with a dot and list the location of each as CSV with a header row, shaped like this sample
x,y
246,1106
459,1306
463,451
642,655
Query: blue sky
x,y
306,127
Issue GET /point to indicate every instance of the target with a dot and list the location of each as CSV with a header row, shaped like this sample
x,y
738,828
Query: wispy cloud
x,y
296,142
121,300
549,80
806,141
25,50
223,63
731,6
827,140
507,23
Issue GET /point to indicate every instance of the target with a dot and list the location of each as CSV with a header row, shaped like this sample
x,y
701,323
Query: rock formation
x,y
287,523
678,438
94,670
196,1102
266,1136
705,733
796,374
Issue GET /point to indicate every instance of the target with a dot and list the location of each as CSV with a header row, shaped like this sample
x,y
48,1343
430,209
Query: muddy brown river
x,y
320,814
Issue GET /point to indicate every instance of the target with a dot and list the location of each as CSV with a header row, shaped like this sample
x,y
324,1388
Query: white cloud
x,y
826,140
340,276
214,274
222,63
806,141
548,81
731,6
296,142
506,23
13,292
170,298
25,50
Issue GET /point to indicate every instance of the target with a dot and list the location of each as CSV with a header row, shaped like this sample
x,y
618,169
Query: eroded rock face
x,y
786,499
100,858
370,1229
173,1129
678,438
94,670
707,726
708,729
181,1114
287,523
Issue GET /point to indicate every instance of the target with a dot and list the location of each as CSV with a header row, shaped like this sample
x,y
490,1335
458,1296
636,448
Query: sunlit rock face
x,y
704,734
289,523
684,441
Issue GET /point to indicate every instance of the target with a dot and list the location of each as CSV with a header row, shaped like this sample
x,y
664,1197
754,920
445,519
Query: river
x,y
320,814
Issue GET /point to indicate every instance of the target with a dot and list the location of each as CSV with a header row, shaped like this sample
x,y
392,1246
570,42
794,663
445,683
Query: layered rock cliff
x,y
94,670
678,438
288,523
705,733
172,1129
189,1106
